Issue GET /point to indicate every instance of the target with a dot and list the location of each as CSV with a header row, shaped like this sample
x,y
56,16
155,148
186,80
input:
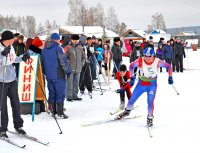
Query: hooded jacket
x,y
54,62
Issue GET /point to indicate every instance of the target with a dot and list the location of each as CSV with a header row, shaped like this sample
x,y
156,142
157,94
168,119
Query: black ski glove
x,y
6,51
25,57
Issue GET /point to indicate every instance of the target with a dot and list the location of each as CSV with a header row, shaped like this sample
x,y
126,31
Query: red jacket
x,y
123,80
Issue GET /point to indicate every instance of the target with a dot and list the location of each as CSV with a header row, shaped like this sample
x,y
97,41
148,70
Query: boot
x,y
20,131
123,114
53,108
150,121
3,135
60,111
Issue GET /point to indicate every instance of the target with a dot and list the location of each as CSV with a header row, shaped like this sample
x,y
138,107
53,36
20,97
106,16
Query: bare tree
x,y
121,28
112,21
31,26
149,28
76,13
158,21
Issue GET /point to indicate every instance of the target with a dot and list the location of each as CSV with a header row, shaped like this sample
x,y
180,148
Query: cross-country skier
x,y
8,84
148,66
123,76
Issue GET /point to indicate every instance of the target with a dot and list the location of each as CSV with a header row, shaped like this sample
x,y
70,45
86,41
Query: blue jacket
x,y
100,54
54,62
168,52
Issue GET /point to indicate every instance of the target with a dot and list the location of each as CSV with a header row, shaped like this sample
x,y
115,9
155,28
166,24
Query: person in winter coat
x,y
20,49
99,54
148,66
173,55
8,84
160,54
117,55
86,72
55,67
107,56
36,48
179,54
168,52
76,57
123,77
136,53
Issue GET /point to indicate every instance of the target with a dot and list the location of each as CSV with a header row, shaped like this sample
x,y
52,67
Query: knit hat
x,y
116,39
7,35
75,37
37,42
148,52
55,36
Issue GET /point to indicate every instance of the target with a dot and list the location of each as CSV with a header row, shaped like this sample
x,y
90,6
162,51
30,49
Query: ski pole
x,y
175,90
4,75
45,96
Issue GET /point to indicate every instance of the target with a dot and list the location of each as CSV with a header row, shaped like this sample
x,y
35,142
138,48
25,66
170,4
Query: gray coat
x,y
76,57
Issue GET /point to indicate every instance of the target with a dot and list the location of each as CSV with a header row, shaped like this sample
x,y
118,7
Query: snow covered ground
x,y
176,122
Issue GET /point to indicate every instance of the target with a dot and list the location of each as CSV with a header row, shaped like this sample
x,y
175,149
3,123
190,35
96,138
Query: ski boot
x,y
20,131
150,121
3,135
123,114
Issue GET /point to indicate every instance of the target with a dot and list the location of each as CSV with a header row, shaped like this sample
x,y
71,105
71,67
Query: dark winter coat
x,y
20,48
136,53
168,52
117,53
179,50
54,62
34,49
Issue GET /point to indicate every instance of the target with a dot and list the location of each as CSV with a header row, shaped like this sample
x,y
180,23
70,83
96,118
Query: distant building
x,y
134,34
177,31
88,31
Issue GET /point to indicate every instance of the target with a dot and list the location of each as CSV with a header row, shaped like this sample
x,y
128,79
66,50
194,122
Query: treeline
x,y
80,14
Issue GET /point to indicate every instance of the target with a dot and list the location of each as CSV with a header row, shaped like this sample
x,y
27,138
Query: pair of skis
x,y
108,121
24,136
99,122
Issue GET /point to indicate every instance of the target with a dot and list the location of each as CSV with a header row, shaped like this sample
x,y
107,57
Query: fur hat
x,y
75,37
55,36
116,39
7,35
37,42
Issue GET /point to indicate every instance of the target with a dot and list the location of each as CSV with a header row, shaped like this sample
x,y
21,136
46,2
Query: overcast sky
x,y
135,13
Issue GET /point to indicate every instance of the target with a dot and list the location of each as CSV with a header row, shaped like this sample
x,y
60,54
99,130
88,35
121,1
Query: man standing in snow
x,y
76,57
86,72
8,84
148,66
55,67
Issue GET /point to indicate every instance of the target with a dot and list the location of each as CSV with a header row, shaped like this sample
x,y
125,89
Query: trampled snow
x,y
176,120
